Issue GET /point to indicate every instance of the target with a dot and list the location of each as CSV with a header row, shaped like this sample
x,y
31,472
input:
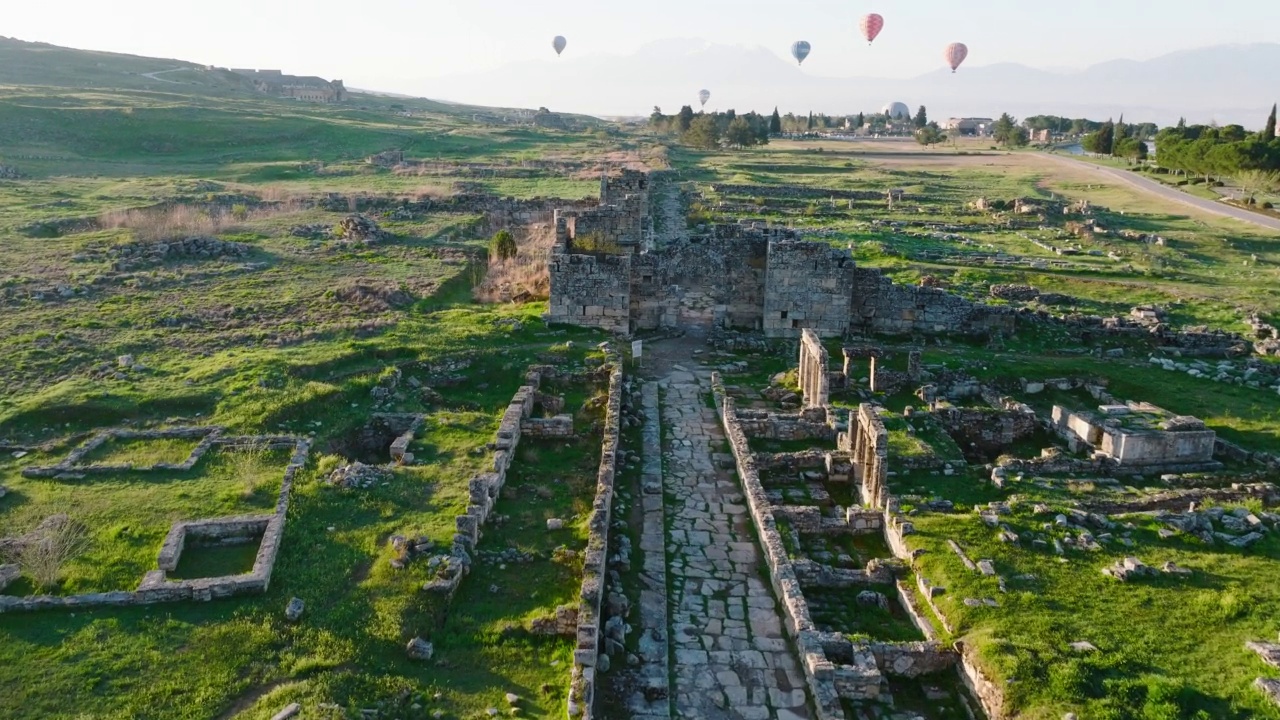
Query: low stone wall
x,y
988,693
69,468
820,672
792,461
586,654
778,426
157,588
558,427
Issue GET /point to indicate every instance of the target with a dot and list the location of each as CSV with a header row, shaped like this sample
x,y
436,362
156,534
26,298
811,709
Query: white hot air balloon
x,y
559,44
704,96
800,50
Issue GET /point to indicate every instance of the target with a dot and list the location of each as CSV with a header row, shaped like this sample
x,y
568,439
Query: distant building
x,y
309,89
1041,136
968,126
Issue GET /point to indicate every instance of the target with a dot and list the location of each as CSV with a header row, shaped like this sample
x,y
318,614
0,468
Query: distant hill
x,y
40,64
1228,83
33,64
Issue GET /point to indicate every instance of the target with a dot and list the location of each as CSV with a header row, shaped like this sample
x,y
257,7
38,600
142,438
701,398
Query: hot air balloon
x,y
559,44
871,26
955,54
800,50
704,96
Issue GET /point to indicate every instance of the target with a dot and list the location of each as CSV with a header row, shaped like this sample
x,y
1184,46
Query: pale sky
x,y
387,44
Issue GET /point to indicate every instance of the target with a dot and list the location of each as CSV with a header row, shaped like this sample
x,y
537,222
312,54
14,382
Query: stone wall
x,y
156,587
807,285
590,290
988,429
586,654
558,427
715,281
881,306
820,672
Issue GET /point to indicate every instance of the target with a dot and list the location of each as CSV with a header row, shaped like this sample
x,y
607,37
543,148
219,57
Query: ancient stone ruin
x,y
609,269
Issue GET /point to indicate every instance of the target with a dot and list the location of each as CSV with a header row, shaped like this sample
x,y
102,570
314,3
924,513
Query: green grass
x,y
1186,633
140,453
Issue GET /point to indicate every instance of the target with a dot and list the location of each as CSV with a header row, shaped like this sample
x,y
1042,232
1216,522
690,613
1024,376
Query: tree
x,y
703,132
656,118
930,134
1256,181
502,246
1007,132
922,117
862,120
1269,130
1101,141
1118,136
775,123
810,125
740,133
684,119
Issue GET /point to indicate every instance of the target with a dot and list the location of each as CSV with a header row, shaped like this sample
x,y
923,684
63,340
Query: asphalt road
x,y
1151,186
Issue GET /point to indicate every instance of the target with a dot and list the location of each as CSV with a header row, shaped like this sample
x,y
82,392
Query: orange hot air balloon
x,y
871,26
955,54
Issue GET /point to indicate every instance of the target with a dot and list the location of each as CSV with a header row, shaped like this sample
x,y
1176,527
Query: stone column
x,y
873,373
913,365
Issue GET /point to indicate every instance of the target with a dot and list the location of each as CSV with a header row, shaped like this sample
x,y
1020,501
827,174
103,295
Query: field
x,y
191,256
275,332
1164,648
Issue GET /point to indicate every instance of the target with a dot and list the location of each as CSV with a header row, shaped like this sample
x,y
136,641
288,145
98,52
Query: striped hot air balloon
x,y
800,50
704,96
871,26
559,44
955,54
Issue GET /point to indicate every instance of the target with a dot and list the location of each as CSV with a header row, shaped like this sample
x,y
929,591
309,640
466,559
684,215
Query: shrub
x,y
56,541
502,246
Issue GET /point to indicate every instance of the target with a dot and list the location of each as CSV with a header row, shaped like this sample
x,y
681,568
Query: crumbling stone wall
x,y
807,285
155,586
711,282
586,654
881,306
590,290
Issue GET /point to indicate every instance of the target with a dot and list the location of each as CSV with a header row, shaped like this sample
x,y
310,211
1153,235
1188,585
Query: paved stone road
x,y
731,658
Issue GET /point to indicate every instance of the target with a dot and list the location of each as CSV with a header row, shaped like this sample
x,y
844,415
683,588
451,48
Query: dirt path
x,y
152,76
1155,188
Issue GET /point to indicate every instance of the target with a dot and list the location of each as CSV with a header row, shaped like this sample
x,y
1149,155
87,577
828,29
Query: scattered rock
x,y
555,524
419,649
293,611
290,710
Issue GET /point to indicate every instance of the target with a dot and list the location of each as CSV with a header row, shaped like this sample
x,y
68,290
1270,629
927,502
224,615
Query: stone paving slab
x,y
732,661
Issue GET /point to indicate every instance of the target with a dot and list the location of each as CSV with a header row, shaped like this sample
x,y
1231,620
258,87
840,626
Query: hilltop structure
x,y
309,88
611,269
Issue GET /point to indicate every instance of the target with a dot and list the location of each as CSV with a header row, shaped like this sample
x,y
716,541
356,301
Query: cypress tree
x,y
775,123
1269,130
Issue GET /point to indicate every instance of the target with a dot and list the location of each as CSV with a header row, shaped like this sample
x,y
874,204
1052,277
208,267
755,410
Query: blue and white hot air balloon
x,y
800,50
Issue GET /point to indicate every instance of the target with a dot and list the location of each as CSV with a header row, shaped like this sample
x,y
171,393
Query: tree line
x,y
1119,140
1215,151
711,130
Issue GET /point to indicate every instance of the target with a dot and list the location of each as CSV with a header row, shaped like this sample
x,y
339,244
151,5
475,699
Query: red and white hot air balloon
x,y
955,54
871,26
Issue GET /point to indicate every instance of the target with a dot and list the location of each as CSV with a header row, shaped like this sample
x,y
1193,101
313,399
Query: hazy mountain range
x,y
1226,83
